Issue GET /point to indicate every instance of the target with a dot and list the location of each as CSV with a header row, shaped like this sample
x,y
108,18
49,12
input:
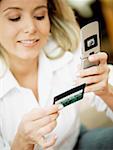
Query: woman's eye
x,y
14,19
39,17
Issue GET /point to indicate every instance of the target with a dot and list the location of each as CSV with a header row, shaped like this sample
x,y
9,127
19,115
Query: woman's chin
x,y
28,56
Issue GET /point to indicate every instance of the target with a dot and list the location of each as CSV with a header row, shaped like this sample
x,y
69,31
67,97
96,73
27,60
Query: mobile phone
x,y
90,41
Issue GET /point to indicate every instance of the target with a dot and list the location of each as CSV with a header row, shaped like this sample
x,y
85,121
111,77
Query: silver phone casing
x,y
89,31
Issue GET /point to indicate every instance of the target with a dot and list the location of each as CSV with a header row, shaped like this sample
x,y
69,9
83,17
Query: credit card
x,y
71,96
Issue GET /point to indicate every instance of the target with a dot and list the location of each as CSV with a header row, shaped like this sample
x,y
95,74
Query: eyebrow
x,y
42,6
38,7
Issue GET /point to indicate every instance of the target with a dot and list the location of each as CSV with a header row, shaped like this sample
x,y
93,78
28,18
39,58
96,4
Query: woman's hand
x,y
35,126
96,77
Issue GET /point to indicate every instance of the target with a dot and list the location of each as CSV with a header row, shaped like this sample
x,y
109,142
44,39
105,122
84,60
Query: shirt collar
x,y
52,49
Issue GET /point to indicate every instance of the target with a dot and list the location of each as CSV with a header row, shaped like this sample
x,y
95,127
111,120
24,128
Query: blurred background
x,y
101,10
87,11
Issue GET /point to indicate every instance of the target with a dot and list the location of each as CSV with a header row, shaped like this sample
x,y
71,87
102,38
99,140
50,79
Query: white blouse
x,y
55,77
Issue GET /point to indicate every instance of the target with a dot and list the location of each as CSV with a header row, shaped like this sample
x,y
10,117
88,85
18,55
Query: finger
x,y
92,79
49,143
52,109
44,121
100,86
99,57
47,129
40,142
38,113
95,70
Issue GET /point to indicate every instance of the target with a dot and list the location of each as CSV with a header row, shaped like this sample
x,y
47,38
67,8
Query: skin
x,y
26,23
34,125
24,31
96,78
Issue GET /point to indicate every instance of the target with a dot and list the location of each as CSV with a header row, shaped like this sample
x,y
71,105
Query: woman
x,y
39,57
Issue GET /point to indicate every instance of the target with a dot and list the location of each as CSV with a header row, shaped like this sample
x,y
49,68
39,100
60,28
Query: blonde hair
x,y
64,27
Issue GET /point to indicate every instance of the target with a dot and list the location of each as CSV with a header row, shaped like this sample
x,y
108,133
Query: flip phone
x,y
90,41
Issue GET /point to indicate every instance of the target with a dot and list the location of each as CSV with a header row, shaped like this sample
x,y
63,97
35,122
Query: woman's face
x,y
24,27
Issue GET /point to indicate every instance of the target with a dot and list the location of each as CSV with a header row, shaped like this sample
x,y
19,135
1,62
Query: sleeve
x,y
4,145
99,103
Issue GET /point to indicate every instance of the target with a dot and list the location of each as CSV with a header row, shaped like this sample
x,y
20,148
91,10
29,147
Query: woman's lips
x,y
29,43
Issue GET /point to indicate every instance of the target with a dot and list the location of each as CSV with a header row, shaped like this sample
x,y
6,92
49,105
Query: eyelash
x,y
18,18
14,19
40,17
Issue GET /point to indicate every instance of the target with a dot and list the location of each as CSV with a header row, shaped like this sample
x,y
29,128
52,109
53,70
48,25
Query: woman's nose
x,y
30,26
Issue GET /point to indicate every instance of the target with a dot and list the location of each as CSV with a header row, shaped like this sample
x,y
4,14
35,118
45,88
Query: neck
x,y
25,72
23,68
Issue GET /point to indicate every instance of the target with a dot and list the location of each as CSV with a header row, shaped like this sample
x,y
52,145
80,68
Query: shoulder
x,y
67,57
55,52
